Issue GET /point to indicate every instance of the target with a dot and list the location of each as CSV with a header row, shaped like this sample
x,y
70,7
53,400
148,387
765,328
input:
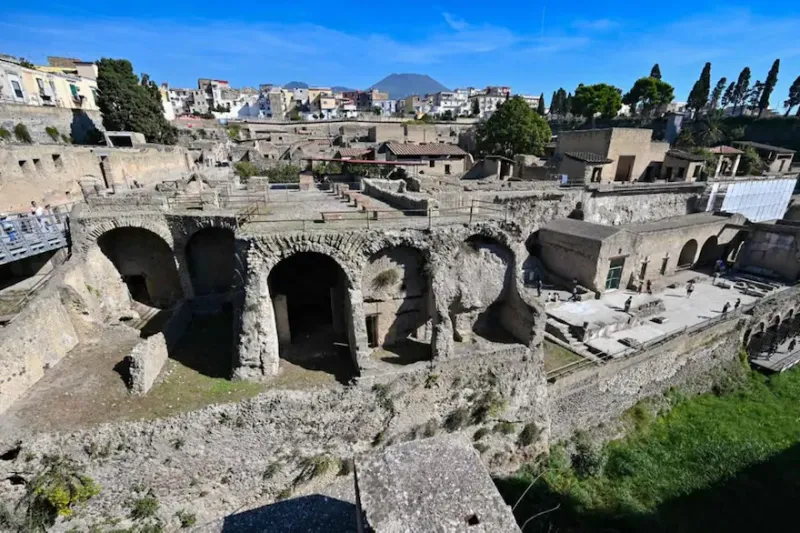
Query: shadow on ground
x,y
307,514
759,498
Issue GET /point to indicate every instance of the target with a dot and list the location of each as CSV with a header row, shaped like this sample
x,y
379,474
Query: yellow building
x,y
315,92
36,87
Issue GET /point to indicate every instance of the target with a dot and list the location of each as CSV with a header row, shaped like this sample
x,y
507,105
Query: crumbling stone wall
x,y
75,123
595,395
146,360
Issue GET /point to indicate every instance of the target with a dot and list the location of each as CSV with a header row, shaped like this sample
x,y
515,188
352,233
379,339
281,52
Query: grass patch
x,y
144,507
505,427
457,419
186,518
556,357
5,134
52,131
716,462
313,467
22,134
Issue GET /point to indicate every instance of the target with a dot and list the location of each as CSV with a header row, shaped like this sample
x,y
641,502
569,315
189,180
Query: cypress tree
x,y
655,72
769,86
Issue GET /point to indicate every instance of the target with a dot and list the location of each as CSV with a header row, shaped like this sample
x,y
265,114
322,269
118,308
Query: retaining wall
x,y
73,122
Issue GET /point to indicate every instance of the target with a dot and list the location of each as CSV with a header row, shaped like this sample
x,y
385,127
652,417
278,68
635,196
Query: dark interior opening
x,y
137,286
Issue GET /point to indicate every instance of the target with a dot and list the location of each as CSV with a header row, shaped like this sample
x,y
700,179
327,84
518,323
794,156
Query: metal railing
x,y
24,236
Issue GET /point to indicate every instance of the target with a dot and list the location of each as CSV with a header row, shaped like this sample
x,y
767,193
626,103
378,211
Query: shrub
x,y
312,467
66,138
588,459
505,427
5,134
283,174
144,507
490,405
385,279
186,518
52,132
245,169
234,130
431,380
284,494
381,390
54,491
528,434
22,134
482,432
457,419
272,470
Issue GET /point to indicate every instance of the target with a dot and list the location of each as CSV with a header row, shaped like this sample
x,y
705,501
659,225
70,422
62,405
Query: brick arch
x,y
94,231
182,240
283,250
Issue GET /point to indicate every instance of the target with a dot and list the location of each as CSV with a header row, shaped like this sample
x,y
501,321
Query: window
x,y
75,91
596,173
17,89
614,276
696,172
372,331
680,173
431,163
52,87
40,83
447,169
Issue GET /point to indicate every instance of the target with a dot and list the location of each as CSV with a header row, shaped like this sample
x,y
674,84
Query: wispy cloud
x,y
596,24
454,22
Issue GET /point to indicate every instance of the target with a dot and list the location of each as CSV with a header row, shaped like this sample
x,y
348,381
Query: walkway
x,y
24,236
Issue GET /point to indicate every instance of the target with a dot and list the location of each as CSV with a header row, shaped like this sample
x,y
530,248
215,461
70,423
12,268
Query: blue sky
x,y
532,46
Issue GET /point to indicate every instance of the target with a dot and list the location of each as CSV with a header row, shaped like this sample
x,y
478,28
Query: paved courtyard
x,y
681,311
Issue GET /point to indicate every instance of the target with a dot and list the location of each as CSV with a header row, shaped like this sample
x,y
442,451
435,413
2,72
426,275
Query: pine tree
x,y
769,86
698,97
717,93
541,109
655,72
742,89
730,95
128,104
553,103
794,97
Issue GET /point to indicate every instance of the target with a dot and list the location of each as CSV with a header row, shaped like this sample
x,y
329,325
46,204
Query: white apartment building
x,y
532,101
487,103
457,102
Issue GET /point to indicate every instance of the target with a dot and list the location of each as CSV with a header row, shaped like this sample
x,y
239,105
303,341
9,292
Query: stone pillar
x,y
182,263
284,332
357,327
736,164
258,353
719,166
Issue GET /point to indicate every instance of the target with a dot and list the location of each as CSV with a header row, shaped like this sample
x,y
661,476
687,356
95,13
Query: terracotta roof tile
x,y
425,149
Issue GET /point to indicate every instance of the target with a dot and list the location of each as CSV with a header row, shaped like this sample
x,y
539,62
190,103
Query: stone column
x,y
182,263
258,353
357,327
719,166
284,332
736,164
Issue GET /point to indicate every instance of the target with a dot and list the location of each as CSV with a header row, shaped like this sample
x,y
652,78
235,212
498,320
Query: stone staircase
x,y
560,330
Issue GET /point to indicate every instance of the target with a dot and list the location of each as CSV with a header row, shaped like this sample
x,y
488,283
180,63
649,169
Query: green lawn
x,y
727,462
556,357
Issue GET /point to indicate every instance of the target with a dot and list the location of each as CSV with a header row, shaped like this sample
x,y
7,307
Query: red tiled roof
x,y
724,150
353,152
425,149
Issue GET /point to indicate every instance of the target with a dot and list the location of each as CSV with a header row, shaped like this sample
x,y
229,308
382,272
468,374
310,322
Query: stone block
x,y
146,360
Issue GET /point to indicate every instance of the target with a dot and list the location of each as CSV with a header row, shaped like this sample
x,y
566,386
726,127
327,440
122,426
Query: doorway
x,y
625,168
372,331
614,276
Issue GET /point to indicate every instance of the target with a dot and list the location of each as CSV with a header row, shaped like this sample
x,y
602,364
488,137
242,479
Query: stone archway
x,y
146,264
398,303
211,256
709,253
309,292
688,253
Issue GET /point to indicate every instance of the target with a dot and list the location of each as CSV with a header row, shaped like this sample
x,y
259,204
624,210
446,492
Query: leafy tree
x,y
25,63
655,72
719,89
754,96
246,169
601,98
283,174
751,164
769,86
794,97
710,133
541,109
742,89
128,105
476,108
448,115
730,95
652,93
514,128
698,97
685,138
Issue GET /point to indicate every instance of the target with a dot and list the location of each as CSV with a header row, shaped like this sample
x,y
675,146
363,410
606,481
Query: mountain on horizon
x,y
403,85
296,85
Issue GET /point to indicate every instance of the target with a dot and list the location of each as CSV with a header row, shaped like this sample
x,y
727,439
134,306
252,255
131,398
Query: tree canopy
x,y
742,89
652,93
130,105
698,97
794,97
601,98
514,128
717,94
541,109
655,72
769,86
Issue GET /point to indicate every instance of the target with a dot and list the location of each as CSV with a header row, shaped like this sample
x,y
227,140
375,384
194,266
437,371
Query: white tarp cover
x,y
758,200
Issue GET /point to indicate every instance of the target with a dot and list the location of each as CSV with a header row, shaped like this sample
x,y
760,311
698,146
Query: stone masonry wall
x,y
600,394
146,360
77,124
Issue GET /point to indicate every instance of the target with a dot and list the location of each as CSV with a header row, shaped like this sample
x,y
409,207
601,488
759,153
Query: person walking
x,y
737,304
689,289
628,303
649,287
539,287
725,308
